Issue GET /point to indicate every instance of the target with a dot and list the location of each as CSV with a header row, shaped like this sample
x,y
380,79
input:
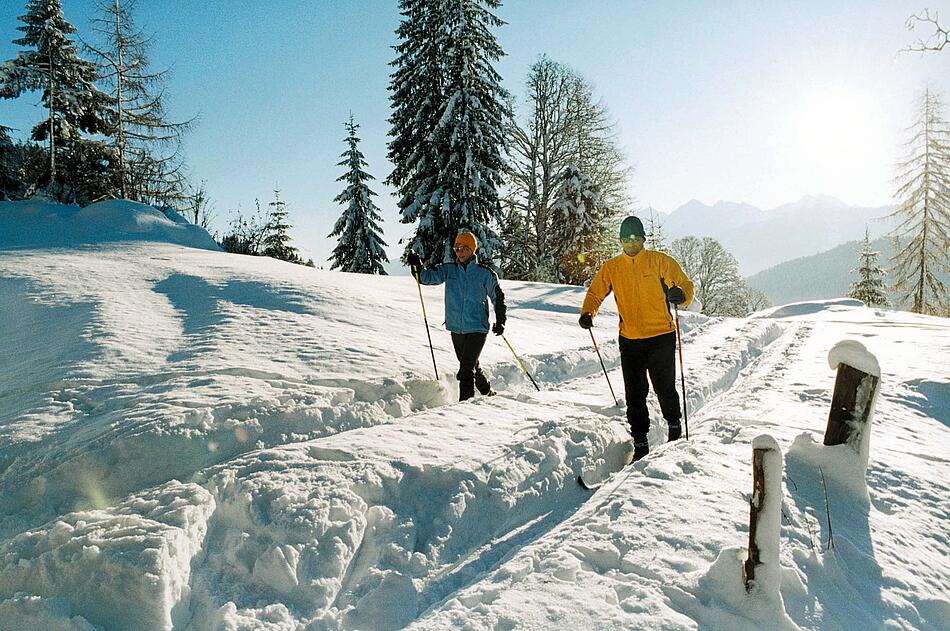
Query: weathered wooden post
x,y
765,513
855,388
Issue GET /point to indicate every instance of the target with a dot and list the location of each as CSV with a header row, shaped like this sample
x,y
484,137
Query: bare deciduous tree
x,y
146,144
937,40
564,127
200,207
756,299
922,236
715,272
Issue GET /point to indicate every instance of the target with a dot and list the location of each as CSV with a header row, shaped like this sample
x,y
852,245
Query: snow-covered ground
x,y
196,440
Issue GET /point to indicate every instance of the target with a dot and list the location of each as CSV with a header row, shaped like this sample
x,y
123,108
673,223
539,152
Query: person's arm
x,y
674,276
433,275
426,276
599,289
497,297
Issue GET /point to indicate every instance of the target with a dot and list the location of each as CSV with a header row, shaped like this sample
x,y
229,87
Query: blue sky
x,y
757,102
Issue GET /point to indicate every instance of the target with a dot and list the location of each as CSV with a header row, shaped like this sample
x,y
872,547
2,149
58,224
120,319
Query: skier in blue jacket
x,y
469,286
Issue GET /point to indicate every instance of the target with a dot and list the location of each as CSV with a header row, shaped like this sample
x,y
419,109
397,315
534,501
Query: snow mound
x,y
33,613
809,308
38,223
125,567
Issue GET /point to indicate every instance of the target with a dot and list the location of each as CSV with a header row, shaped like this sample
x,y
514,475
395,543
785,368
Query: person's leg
x,y
466,381
467,349
661,365
473,349
633,364
481,381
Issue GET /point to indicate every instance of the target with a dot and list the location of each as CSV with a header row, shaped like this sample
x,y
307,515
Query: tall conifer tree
x,y
447,126
360,245
8,181
73,102
416,88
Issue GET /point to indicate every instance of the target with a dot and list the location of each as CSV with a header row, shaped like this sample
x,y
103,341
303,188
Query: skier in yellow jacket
x,y
643,282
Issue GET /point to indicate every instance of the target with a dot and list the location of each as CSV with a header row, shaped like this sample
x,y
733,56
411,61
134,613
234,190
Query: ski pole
x,y
602,366
679,343
426,320
521,363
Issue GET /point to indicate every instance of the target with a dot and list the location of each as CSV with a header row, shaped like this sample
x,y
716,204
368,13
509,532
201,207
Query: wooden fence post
x,y
765,513
850,404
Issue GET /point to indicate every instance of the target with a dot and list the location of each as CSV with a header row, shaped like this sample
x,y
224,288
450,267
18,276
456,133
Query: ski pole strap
x,y
591,331
521,363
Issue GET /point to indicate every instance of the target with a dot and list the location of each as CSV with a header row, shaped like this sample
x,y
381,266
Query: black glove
x,y
675,295
414,262
498,329
586,321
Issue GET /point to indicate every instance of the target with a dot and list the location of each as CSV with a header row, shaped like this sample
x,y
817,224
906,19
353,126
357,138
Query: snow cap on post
x,y
467,238
632,226
853,353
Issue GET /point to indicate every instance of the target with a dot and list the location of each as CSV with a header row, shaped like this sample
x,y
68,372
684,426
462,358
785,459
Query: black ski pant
x,y
468,347
654,356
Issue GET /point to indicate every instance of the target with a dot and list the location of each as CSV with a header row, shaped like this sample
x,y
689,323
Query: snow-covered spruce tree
x,y
360,245
577,212
869,287
416,96
22,165
451,174
656,239
78,167
922,236
277,242
146,145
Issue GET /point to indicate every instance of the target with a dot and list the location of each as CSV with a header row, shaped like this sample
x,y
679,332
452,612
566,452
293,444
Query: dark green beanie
x,y
631,226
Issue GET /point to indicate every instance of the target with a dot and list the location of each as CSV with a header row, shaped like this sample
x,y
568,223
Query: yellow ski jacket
x,y
637,283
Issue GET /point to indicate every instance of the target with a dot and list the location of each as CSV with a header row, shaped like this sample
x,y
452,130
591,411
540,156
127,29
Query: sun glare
x,y
837,141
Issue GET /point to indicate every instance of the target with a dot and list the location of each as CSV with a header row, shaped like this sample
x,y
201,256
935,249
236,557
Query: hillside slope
x,y
196,440
825,275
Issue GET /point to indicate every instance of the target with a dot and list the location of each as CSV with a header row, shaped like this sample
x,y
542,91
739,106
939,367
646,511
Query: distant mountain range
x,y
760,239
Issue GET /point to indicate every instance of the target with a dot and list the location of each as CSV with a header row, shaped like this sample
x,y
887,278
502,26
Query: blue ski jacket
x,y
468,288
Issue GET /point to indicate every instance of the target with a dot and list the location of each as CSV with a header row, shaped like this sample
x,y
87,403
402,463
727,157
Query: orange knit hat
x,y
467,238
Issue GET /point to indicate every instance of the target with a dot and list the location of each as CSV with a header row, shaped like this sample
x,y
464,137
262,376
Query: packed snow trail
x,y
635,557
410,486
